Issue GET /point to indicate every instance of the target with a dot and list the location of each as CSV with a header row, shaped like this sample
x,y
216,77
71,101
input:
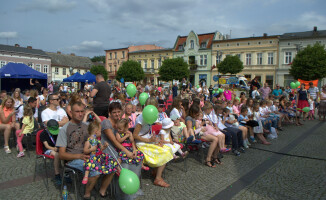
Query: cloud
x,y
8,35
162,43
51,6
87,47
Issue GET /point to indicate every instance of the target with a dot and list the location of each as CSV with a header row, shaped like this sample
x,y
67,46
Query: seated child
x,y
98,161
166,139
258,130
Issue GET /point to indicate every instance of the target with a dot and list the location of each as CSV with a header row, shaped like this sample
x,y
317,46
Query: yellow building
x,y
151,61
259,56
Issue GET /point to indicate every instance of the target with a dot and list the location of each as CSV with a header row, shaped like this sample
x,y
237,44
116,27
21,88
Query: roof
x,y
302,35
202,38
22,50
67,60
247,38
116,49
153,50
20,70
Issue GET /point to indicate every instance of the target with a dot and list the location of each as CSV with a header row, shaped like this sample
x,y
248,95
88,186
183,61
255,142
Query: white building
x,y
289,45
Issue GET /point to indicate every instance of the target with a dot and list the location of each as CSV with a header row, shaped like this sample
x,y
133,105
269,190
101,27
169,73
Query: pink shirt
x,y
228,95
236,109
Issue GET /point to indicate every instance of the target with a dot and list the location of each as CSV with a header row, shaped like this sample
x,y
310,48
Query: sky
x,y
88,27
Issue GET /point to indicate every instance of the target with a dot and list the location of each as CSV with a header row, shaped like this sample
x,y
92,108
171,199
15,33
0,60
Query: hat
x,y
174,117
53,126
167,123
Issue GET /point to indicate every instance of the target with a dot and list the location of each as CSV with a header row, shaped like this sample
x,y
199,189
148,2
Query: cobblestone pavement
x,y
256,174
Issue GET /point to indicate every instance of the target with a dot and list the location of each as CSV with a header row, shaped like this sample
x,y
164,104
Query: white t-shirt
x,y
20,113
220,125
145,129
58,114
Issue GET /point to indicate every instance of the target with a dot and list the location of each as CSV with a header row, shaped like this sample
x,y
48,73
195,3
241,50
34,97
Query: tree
x,y
309,63
174,69
100,70
231,64
98,59
130,71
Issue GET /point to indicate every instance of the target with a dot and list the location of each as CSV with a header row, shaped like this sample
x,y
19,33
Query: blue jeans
x,y
235,134
79,164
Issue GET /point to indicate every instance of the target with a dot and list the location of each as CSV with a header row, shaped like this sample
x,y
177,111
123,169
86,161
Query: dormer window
x,y
192,44
203,45
180,48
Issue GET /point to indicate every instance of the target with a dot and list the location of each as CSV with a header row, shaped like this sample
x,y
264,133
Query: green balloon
x,y
293,85
220,90
213,92
306,109
142,98
237,98
131,90
150,114
297,83
128,181
197,86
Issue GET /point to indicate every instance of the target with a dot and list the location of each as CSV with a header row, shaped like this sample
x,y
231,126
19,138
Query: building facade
x,y
196,50
289,45
65,65
151,61
115,57
259,56
34,58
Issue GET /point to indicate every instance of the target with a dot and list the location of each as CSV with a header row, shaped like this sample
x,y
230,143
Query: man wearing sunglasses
x,y
54,112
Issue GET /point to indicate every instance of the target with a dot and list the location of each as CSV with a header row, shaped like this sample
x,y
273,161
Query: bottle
x,y
64,193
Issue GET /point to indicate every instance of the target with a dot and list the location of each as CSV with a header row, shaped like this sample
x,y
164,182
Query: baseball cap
x,y
174,117
53,126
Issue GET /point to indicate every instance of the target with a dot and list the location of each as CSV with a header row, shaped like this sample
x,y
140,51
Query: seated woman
x,y
213,150
156,155
7,120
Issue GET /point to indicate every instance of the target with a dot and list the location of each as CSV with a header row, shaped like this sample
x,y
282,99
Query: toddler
x,y
98,161
28,126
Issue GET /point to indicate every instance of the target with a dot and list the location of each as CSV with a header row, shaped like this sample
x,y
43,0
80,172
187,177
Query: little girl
x,y
98,161
259,129
132,155
236,107
312,108
166,139
139,109
28,126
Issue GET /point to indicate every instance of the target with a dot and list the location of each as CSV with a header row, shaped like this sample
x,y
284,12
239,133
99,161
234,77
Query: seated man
x,y
48,137
71,140
54,112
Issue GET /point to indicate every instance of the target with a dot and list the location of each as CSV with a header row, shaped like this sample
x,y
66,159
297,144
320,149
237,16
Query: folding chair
x,y
102,118
40,154
74,172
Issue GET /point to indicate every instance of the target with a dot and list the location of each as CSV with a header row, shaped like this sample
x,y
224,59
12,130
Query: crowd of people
x,y
96,128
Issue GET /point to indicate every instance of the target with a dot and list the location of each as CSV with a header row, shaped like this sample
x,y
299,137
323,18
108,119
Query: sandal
x,y
217,161
145,168
85,180
105,195
7,150
210,164
161,183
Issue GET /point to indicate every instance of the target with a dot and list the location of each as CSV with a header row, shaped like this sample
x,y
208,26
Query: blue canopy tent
x,y
88,77
17,75
72,78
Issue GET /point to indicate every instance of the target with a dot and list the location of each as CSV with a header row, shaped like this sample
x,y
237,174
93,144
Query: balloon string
x,y
114,156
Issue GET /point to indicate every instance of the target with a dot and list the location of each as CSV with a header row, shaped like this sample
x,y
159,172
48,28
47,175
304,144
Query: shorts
x,y
78,164
48,152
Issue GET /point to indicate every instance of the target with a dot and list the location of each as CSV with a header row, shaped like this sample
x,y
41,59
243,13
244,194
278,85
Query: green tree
x,y
174,69
230,64
98,59
130,71
100,70
309,63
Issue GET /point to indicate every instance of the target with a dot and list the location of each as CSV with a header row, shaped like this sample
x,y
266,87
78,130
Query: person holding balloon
x,y
156,154
302,100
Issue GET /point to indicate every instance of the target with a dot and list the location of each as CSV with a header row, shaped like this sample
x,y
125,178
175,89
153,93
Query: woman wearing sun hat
x,y
49,137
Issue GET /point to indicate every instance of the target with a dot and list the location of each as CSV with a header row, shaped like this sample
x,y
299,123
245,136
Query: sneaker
x,y
7,150
242,150
236,153
246,146
253,140
185,154
21,154
248,143
18,148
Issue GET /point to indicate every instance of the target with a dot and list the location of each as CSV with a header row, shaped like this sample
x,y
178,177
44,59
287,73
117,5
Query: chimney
x,y
17,45
315,28
72,54
265,34
29,47
58,52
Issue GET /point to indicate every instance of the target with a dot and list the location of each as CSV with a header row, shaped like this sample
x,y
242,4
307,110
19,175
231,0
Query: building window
x,y
123,54
78,70
217,45
203,60
152,64
271,42
145,64
111,56
192,44
238,44
270,58
64,71
248,43
110,67
248,59
270,80
38,67
159,62
203,45
288,57
227,45
180,48
289,44
45,69
218,59
239,56
2,63
115,55
31,65
115,68
56,71
259,58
